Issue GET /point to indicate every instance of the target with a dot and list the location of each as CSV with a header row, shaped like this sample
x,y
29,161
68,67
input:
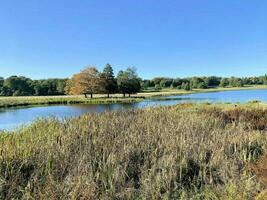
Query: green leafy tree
x,y
177,82
236,82
18,86
224,82
109,83
157,80
212,81
1,84
158,87
145,84
128,82
197,82
186,86
264,79
166,82
48,87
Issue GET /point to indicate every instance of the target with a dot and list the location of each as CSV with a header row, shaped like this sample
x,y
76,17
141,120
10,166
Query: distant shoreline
x,y
8,102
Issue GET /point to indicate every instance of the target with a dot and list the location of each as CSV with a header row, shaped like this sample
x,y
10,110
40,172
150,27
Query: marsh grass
x,y
187,151
53,100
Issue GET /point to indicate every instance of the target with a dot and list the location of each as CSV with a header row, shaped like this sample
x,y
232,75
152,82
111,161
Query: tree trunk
x,y
108,95
85,95
129,95
123,95
91,95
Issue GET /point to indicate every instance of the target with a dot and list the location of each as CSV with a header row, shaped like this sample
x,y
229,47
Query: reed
x,y
188,151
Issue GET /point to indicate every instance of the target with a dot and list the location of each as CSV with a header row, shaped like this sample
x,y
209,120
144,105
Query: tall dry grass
x,y
182,152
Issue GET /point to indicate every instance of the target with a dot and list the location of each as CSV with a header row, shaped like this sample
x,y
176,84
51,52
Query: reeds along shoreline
x,y
31,101
183,152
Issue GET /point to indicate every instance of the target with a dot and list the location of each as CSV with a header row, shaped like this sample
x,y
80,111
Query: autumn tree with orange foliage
x,y
88,81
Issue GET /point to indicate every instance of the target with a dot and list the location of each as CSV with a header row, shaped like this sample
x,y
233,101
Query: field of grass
x,y
101,98
188,151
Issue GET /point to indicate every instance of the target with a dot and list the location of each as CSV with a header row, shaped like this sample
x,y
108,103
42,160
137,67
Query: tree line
x,y
91,81
202,82
22,86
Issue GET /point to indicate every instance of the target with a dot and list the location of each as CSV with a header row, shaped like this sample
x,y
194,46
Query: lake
x,y
14,117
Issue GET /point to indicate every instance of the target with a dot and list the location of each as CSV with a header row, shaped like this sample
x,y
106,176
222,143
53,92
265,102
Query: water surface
x,y
14,117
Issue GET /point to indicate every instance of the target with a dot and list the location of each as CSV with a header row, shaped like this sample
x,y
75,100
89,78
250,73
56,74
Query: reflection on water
x,y
14,117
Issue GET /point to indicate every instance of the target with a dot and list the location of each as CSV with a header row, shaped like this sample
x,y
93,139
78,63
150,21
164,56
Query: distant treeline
x,y
202,82
88,81
91,81
22,86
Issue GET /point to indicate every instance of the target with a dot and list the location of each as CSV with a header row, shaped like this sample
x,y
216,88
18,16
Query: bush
x,y
158,87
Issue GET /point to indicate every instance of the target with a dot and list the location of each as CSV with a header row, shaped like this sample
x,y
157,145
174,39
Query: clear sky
x,y
173,38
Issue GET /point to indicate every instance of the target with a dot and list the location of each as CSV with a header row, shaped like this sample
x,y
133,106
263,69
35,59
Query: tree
x,y
128,82
212,81
1,84
69,86
166,82
157,87
236,82
224,82
197,82
18,86
177,82
157,80
2,81
48,87
264,79
186,86
110,84
88,81
145,84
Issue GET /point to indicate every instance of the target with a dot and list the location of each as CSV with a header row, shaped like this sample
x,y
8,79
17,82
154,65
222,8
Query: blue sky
x,y
173,38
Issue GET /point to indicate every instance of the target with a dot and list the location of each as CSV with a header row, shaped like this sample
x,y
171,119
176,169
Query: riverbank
x,y
186,151
170,92
6,102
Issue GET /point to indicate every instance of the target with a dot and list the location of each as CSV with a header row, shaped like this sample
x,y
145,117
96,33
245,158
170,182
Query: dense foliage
x,y
91,81
22,86
128,81
182,152
203,82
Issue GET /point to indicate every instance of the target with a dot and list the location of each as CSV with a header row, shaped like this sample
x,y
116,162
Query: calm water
x,y
12,118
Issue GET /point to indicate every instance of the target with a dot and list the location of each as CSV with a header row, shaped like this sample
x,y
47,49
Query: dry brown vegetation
x,y
183,152
260,170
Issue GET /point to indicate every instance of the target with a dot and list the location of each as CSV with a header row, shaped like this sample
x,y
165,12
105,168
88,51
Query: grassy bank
x,y
189,151
168,92
49,100
101,99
